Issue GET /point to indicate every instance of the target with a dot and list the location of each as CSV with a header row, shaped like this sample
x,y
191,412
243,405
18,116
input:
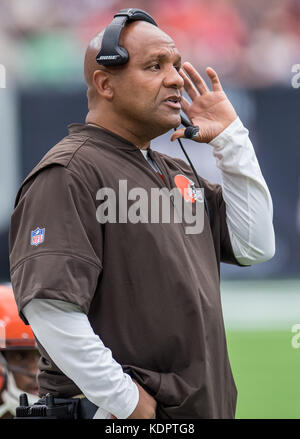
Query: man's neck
x,y
125,133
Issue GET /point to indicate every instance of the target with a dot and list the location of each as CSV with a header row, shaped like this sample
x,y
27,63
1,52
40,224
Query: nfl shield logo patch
x,y
37,236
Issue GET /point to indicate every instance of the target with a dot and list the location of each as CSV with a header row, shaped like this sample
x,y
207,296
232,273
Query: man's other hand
x,y
146,406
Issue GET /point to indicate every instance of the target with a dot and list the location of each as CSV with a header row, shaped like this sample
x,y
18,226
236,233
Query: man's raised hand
x,y
210,110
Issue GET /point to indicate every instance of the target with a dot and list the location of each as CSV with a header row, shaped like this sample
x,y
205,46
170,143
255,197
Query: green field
x,y
266,370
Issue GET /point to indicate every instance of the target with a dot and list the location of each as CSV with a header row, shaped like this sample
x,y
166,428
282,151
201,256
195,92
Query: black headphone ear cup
x,y
111,54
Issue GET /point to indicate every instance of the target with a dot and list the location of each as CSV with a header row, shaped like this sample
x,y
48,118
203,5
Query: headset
x,y
111,54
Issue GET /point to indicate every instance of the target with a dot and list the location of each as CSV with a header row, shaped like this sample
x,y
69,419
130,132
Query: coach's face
x,y
147,90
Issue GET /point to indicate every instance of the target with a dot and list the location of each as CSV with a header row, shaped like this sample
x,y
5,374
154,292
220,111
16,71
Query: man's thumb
x,y
177,134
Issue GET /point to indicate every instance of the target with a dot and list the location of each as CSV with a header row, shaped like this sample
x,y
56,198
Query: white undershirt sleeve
x,y
65,333
249,208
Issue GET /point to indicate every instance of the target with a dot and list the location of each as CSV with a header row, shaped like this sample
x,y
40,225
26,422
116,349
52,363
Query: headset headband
x,y
111,54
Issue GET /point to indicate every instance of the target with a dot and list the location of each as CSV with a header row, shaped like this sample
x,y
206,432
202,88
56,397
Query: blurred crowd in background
x,y
253,43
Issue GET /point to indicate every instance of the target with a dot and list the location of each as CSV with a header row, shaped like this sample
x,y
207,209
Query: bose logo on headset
x,y
109,57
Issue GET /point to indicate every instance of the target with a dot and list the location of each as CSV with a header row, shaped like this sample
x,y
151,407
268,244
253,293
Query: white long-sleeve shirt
x,y
249,207
64,330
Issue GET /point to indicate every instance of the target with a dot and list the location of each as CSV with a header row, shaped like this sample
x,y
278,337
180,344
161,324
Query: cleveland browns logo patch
x,y
187,189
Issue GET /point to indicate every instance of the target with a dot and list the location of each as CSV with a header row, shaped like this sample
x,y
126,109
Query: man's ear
x,y
103,85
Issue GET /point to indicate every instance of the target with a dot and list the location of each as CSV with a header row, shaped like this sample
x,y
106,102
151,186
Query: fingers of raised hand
x,y
177,134
188,85
195,79
185,105
215,82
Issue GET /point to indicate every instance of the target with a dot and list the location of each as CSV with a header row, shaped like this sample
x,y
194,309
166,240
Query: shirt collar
x,y
100,133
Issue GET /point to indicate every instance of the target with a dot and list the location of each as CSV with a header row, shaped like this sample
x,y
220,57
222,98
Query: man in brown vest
x,y
128,312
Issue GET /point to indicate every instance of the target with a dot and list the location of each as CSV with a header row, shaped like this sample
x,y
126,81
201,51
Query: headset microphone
x,y
191,132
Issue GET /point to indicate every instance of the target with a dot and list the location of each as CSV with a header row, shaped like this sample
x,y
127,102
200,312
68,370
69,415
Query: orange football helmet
x,y
14,334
